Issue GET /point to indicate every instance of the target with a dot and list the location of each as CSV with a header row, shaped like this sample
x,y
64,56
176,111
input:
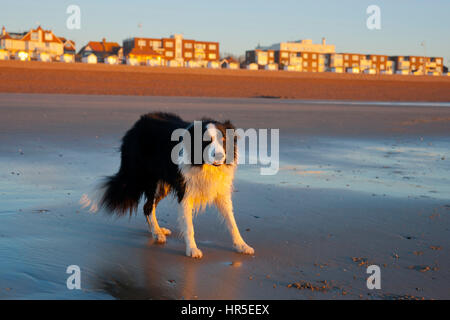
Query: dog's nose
x,y
219,156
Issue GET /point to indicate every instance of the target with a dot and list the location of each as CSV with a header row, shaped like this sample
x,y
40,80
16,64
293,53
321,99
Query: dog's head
x,y
211,143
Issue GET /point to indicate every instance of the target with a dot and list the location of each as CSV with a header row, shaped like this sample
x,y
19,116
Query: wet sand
x,y
359,184
41,77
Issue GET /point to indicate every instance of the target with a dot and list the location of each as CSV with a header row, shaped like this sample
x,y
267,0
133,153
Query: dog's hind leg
x,y
225,207
158,233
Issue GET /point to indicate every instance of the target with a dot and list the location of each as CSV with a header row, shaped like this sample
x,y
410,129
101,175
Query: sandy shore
x,y
358,185
39,77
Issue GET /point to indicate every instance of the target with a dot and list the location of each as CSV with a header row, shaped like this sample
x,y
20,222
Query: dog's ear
x,y
228,125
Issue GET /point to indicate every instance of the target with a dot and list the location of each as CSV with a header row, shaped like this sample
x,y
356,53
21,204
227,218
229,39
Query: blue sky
x,y
241,25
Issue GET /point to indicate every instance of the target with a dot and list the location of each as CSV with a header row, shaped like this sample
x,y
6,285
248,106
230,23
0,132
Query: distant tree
x,y
445,69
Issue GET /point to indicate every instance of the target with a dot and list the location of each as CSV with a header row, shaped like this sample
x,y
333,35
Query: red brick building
x,y
174,48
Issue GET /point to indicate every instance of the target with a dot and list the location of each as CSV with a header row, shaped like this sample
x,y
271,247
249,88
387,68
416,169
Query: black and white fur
x,y
147,169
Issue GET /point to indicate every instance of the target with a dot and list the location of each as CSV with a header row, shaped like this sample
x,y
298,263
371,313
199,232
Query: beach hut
x,y
233,65
4,55
22,56
91,59
402,72
252,66
337,69
291,67
370,71
67,58
271,66
154,62
353,70
132,61
192,64
113,59
173,63
44,57
213,65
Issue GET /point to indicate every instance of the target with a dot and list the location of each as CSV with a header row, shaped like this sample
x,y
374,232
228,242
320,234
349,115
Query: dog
x,y
148,169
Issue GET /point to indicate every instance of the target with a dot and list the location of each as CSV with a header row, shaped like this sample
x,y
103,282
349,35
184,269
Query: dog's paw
x,y
159,237
194,253
166,231
244,248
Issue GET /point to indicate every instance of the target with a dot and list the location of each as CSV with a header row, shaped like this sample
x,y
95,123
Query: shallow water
x,y
335,198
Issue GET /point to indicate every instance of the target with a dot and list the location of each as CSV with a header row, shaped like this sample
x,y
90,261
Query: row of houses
x,y
304,55
43,45
176,51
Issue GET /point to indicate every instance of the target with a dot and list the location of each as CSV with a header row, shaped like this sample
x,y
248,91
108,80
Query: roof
x,y
26,36
144,52
102,47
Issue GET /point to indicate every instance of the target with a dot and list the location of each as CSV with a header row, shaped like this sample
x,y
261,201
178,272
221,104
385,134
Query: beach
x,y
359,184
101,79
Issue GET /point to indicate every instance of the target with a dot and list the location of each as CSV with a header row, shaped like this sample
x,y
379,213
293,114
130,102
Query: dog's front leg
x,y
225,207
187,228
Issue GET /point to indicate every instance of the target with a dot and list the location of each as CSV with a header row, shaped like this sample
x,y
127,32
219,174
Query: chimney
x,y
3,30
324,41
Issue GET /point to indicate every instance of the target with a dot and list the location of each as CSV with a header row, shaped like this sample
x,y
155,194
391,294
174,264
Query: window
x,y
413,59
48,36
212,56
305,63
314,56
156,44
200,46
375,58
355,58
142,43
305,55
169,44
382,67
284,55
212,47
34,36
271,54
346,57
169,53
382,59
188,54
188,45
439,61
314,64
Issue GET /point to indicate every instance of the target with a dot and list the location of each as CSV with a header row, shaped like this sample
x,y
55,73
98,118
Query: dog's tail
x,y
116,194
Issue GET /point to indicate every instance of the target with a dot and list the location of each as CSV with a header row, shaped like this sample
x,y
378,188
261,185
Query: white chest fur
x,y
205,183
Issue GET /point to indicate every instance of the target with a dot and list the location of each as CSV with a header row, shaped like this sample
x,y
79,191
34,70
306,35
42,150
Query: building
x,y
417,65
173,51
304,54
229,63
101,49
32,44
260,57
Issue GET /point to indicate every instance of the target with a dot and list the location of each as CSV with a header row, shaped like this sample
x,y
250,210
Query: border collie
x,y
147,168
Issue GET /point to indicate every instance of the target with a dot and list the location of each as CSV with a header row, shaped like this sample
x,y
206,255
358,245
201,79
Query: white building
x,y
90,59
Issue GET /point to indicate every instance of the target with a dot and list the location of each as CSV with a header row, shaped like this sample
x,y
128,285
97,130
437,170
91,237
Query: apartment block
x,y
303,54
260,57
417,64
175,48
